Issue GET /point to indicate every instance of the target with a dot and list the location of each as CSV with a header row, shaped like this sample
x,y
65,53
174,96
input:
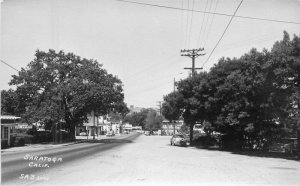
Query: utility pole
x,y
159,104
174,84
192,53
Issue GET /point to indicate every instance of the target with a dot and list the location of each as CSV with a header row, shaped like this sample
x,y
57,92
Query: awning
x,y
10,117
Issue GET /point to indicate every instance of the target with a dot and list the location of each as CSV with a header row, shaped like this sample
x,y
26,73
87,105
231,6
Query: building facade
x,y
8,124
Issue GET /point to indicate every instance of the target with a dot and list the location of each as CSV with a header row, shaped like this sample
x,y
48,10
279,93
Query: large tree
x,y
285,69
58,86
153,121
192,100
8,102
249,99
137,118
172,107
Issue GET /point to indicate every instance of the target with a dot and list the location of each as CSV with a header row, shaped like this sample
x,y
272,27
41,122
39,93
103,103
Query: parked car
x,y
286,145
110,134
178,139
147,133
82,134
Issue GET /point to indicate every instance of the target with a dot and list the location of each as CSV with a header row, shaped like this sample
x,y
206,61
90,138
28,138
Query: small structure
x,y
8,124
92,126
23,126
137,128
127,127
169,128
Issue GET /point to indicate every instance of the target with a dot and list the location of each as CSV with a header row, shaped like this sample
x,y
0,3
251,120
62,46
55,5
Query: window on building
x,y
12,129
5,132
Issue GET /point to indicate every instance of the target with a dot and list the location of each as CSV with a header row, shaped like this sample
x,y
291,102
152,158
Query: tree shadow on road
x,y
252,153
104,141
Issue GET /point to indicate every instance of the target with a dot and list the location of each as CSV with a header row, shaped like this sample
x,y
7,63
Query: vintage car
x,y
110,134
179,139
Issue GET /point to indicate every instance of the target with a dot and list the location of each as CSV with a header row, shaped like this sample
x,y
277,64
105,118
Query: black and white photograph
x,y
150,92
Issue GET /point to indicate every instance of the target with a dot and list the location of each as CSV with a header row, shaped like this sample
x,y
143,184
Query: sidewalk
x,y
79,139
29,147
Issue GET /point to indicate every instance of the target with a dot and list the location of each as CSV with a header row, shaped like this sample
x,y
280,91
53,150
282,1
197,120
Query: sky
x,y
140,43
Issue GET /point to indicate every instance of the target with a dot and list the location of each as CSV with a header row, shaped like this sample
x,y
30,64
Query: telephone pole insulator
x,y
192,53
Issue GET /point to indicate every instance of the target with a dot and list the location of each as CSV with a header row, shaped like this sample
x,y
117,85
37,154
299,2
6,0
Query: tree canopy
x,y
59,86
248,99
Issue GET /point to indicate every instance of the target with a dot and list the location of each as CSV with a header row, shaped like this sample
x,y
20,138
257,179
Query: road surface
x,y
150,160
30,165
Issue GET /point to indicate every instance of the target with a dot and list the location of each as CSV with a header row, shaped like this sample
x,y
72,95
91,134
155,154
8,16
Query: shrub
x,y
42,137
205,141
12,141
4,144
20,141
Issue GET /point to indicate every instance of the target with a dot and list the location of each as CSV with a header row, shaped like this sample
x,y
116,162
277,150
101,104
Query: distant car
x,y
82,134
109,134
179,139
286,145
147,133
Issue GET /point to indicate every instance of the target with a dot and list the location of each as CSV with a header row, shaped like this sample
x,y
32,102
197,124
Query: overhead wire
x,y
9,65
191,23
156,85
205,25
134,75
187,23
254,40
181,25
210,25
203,18
223,32
215,13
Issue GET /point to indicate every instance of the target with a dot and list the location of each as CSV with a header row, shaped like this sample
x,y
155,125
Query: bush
x,y
66,136
205,141
4,144
12,141
42,137
231,142
20,141
27,138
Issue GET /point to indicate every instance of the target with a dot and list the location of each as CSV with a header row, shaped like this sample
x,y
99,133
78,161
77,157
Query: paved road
x,y
150,160
27,165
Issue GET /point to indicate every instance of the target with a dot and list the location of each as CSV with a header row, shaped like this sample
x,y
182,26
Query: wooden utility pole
x,y
174,85
159,104
192,53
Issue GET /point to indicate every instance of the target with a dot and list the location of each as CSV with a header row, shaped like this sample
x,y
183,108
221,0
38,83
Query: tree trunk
x,y
72,131
191,133
298,145
174,127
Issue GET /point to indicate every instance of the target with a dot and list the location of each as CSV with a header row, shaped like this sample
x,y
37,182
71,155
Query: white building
x,y
8,124
127,127
169,128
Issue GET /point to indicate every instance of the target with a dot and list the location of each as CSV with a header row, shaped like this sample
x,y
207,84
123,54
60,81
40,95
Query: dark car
x,y
286,145
178,139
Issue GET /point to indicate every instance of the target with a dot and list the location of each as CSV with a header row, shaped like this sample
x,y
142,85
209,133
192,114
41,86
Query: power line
x,y
206,22
223,32
187,23
203,18
215,13
9,65
191,24
212,20
181,24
